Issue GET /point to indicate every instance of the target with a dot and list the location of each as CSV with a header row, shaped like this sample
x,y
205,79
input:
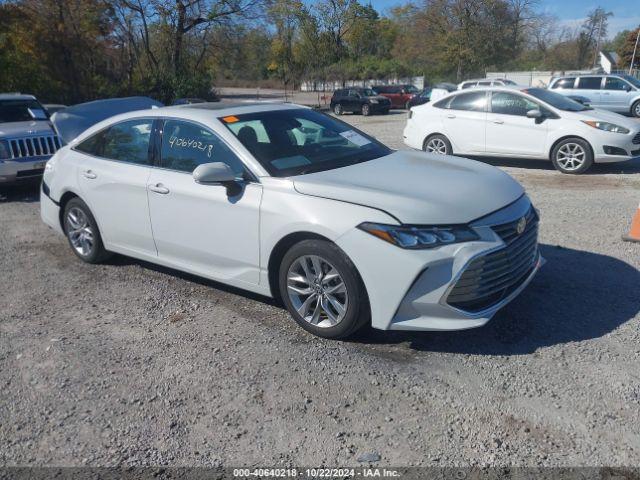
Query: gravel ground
x,y
131,364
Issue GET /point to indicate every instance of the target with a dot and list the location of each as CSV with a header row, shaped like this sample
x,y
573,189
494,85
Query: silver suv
x,y
27,138
618,93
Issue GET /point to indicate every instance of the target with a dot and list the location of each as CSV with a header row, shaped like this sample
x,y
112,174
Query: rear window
x,y
564,83
589,83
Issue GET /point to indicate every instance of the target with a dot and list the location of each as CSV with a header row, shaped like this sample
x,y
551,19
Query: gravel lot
x,y
128,363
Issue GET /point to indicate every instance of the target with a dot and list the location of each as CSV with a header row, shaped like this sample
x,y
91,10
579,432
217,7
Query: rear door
x,y
113,177
590,87
510,131
465,122
203,228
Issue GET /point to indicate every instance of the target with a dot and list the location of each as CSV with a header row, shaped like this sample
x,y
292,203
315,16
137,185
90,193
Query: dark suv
x,y
359,100
400,95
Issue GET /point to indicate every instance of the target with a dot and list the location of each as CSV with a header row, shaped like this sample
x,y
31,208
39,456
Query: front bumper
x,y
615,147
28,168
409,289
380,107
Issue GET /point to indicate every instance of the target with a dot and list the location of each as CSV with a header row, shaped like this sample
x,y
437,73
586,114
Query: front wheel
x,y
366,110
337,109
572,156
322,290
438,144
82,232
635,110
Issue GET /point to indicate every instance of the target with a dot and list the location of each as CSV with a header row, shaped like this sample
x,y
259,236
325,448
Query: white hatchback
x,y
529,123
290,203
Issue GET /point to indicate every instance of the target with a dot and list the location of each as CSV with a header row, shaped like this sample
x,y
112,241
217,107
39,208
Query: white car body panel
x,y
201,230
522,137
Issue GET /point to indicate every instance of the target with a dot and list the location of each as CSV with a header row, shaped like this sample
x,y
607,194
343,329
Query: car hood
x,y
417,187
25,129
606,116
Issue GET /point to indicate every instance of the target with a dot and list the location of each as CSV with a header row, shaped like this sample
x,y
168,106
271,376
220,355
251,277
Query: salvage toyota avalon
x,y
293,204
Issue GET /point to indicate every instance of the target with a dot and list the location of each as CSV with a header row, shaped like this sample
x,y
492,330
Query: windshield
x,y
369,93
18,110
411,89
632,80
509,82
299,141
556,100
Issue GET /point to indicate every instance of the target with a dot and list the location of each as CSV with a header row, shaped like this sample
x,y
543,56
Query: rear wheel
x,y
366,110
322,290
82,232
337,109
572,156
438,144
635,110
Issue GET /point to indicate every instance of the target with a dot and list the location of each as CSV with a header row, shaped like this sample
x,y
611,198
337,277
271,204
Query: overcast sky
x,y
626,13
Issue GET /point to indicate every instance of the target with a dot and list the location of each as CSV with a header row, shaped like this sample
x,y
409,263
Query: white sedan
x,y
529,123
293,204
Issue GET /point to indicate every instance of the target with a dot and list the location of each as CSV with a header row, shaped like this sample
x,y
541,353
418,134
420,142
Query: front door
x,y
203,228
113,176
510,131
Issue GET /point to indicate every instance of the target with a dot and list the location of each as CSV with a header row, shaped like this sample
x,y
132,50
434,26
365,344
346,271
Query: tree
x,y
627,48
592,31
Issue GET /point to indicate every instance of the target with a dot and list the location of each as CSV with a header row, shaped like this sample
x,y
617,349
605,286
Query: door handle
x,y
89,174
498,121
158,188
606,93
451,115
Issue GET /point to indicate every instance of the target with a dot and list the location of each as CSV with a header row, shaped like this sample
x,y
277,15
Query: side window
x,y
475,102
468,85
589,83
487,84
126,142
511,104
613,83
564,83
186,145
353,93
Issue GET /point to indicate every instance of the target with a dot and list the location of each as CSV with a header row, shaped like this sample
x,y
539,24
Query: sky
x,y
626,13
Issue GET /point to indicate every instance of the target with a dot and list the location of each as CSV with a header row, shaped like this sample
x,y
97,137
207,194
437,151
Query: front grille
x,y
30,173
490,278
34,146
636,139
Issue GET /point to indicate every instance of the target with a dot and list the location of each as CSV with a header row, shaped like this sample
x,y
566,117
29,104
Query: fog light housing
x,y
615,151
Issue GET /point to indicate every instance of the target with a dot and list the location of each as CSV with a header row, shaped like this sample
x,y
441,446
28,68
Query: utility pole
x,y
635,49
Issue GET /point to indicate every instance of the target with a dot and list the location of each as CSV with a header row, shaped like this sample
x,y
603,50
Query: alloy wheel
x,y
571,156
337,109
637,109
437,145
79,231
317,291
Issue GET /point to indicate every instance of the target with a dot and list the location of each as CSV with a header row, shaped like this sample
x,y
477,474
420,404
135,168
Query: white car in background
x,y
291,203
486,82
530,123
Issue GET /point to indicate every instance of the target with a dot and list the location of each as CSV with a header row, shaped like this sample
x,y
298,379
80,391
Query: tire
x,y
438,144
337,109
82,232
308,298
572,156
635,109
366,110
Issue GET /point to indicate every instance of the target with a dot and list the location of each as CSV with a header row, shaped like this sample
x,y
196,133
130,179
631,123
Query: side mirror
x,y
212,173
537,114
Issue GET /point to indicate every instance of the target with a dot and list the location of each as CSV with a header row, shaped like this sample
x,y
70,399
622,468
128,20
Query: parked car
x,y
530,123
27,138
421,98
359,100
52,108
618,93
291,203
400,95
485,82
441,90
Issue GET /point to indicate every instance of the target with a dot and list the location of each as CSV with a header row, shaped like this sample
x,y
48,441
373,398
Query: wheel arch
x,y
567,137
279,251
64,199
428,137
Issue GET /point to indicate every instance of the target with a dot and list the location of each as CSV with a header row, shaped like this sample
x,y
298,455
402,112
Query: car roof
x,y
16,96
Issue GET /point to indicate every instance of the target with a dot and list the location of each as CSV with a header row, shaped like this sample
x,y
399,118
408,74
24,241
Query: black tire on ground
x,y
357,312
366,110
583,153
436,143
97,252
635,109
337,109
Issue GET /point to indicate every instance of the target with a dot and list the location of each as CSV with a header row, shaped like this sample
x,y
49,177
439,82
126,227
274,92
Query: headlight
x,y
373,100
607,127
419,237
5,153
